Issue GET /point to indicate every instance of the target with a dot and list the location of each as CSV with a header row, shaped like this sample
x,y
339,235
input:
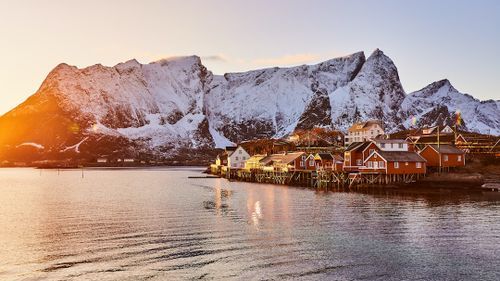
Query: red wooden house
x,y
328,161
443,156
394,163
353,156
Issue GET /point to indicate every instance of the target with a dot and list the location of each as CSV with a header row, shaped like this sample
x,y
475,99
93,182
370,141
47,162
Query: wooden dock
x,y
325,179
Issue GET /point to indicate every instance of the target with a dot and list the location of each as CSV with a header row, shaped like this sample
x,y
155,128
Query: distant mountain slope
x,y
176,107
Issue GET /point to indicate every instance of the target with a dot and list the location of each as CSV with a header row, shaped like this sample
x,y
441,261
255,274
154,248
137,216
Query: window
x,y
375,165
236,158
303,157
382,145
381,164
459,158
396,165
392,145
400,145
445,158
419,165
302,163
370,164
311,162
239,151
371,151
358,162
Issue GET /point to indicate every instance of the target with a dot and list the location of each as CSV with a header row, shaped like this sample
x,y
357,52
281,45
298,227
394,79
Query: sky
x,y
427,40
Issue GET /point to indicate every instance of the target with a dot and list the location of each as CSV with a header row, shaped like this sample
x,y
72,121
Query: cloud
x,y
215,58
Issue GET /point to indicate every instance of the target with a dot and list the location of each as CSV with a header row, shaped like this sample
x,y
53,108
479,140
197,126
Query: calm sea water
x,y
156,224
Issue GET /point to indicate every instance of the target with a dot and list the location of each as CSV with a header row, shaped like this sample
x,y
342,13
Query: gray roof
x,y
445,148
401,156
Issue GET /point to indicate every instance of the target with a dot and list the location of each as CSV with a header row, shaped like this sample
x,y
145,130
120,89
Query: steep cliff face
x,y
176,106
271,102
375,93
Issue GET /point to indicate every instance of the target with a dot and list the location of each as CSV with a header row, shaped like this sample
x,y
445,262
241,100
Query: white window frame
x,y
445,157
358,162
381,164
396,165
459,157
419,165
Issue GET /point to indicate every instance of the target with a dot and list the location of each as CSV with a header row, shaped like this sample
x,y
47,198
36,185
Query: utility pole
x,y
439,150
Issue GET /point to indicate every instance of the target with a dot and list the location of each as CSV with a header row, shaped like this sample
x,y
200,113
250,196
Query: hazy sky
x,y
428,40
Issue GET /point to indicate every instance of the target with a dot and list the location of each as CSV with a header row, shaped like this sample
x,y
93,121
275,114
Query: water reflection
x,y
160,225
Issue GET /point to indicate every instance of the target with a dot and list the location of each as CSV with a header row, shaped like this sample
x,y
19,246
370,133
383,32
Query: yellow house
x,y
254,161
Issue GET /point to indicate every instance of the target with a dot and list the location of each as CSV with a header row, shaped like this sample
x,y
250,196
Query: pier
x,y
321,179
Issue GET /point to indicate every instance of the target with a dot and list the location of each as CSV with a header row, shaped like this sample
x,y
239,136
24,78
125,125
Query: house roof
x,y
360,126
283,158
390,141
222,156
431,139
358,146
400,156
448,149
325,156
338,157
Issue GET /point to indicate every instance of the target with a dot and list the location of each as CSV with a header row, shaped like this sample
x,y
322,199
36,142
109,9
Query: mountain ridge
x,y
177,105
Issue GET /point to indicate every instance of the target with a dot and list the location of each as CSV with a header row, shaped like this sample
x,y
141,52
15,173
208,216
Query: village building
x,y
353,155
443,156
394,162
254,161
237,158
102,160
363,131
356,154
285,162
475,143
310,163
328,161
221,160
392,144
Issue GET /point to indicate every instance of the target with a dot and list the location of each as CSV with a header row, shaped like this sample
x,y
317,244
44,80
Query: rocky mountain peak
x,y
175,105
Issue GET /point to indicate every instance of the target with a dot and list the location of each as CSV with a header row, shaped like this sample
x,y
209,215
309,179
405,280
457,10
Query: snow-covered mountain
x,y
176,106
439,103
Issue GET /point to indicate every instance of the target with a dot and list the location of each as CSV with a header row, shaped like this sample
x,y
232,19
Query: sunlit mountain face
x,y
177,109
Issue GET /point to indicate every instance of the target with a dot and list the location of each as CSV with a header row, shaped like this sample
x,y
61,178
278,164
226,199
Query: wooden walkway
x,y
318,179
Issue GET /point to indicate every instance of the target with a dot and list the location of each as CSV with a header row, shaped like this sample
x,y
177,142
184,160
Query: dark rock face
x,y
440,116
317,112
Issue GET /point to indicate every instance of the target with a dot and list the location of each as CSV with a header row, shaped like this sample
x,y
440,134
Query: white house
x,y
364,131
237,158
391,144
